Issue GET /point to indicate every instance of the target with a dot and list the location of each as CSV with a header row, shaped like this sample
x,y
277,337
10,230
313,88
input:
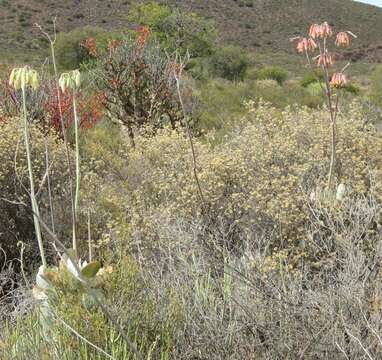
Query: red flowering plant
x,y
137,84
43,107
316,49
90,109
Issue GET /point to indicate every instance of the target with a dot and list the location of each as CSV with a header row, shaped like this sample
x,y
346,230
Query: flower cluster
x,y
20,78
322,31
316,40
70,80
338,80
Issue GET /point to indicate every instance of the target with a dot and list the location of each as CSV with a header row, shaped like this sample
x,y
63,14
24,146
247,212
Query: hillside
x,y
264,25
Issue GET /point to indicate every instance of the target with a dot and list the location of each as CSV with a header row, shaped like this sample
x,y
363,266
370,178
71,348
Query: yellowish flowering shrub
x,y
258,181
15,218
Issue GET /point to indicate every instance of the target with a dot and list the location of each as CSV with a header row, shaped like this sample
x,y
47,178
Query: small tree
x,y
229,62
176,30
138,88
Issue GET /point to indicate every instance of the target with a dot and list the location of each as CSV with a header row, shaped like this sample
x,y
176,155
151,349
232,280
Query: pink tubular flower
x,y
320,31
315,31
305,44
325,59
338,80
343,39
326,30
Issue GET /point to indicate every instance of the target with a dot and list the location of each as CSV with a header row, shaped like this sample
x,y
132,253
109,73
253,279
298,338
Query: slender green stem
x,y
78,170
36,212
333,131
53,54
90,238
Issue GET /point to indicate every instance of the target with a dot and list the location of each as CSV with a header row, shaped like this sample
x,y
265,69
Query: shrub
x,y
221,102
138,84
268,231
289,93
312,77
229,62
314,89
352,89
273,73
175,29
248,190
183,302
70,50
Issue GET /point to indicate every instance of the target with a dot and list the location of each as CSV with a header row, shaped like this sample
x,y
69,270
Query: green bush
x,y
69,51
311,77
352,89
276,73
221,102
175,29
314,89
229,62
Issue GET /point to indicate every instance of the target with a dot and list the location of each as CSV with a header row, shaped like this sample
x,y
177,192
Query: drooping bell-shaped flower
x,y
343,38
305,44
70,80
23,77
338,80
325,59
315,31
326,30
320,31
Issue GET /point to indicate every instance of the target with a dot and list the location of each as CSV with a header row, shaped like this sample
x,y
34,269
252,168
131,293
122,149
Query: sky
x,y
372,2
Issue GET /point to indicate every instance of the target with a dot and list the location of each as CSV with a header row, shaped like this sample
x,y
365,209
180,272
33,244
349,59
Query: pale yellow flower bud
x,y
22,77
70,80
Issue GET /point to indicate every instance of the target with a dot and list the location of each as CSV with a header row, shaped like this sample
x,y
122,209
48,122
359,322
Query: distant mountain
x,y
264,25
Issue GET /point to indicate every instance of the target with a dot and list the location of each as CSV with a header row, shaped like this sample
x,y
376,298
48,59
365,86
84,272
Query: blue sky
x,y
372,2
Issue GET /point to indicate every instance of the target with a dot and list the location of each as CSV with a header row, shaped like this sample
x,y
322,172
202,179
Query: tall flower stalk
x,y
317,41
52,42
178,67
20,79
72,81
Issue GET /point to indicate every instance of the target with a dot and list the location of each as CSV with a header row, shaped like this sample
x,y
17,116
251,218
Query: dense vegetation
x,y
178,192
259,25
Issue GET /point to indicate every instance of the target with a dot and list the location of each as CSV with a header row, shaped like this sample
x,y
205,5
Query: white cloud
x,y
372,2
